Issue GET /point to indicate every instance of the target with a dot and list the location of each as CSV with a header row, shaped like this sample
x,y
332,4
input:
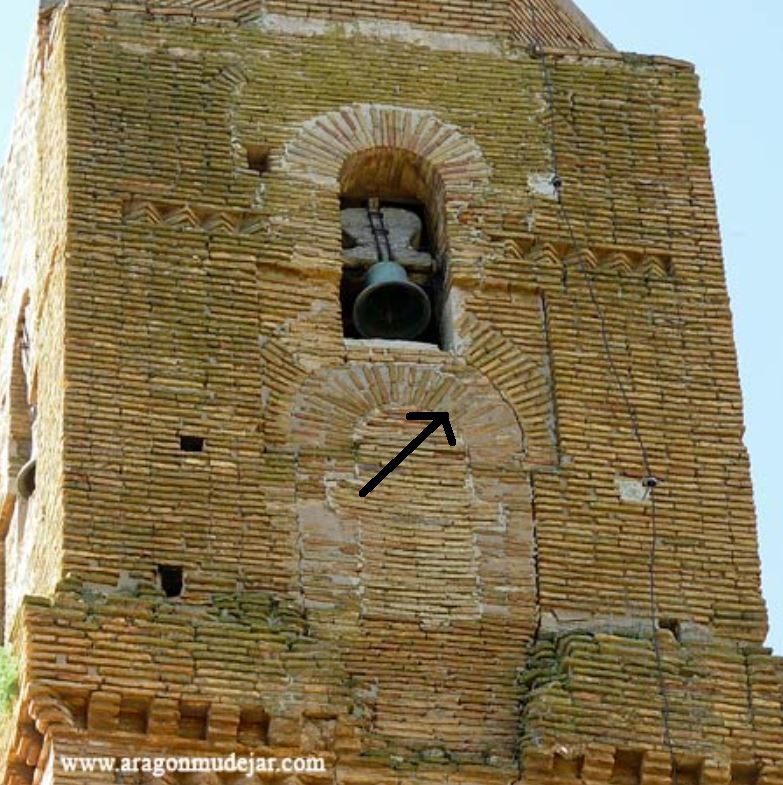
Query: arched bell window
x,y
21,480
394,247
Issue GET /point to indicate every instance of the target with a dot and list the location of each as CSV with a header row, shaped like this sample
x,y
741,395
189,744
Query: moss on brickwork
x,y
587,691
172,121
9,681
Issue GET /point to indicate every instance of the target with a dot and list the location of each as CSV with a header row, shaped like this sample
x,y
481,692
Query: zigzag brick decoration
x,y
186,216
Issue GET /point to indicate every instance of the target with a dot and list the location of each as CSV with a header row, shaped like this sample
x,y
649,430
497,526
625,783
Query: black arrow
x,y
438,419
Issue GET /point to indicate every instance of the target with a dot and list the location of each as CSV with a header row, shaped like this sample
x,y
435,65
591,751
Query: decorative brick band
x,y
200,719
643,262
639,766
190,216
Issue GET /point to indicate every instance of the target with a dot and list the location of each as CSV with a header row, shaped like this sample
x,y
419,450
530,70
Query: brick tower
x,y
203,361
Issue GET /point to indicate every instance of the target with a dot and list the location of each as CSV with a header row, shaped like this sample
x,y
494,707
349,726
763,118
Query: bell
x,y
390,306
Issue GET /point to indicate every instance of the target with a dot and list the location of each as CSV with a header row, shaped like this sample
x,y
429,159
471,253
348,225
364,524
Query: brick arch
x,y
334,403
518,378
523,393
283,374
324,143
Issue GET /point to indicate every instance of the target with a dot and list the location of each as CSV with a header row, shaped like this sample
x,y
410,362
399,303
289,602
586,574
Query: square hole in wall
x,y
192,443
627,768
688,770
253,727
568,768
745,774
171,578
258,158
193,720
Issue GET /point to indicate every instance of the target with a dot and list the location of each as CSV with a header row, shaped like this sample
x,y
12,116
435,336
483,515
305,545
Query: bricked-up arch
x,y
519,379
334,403
441,555
323,145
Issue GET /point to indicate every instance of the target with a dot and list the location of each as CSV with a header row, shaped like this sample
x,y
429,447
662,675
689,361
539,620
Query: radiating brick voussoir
x,y
325,143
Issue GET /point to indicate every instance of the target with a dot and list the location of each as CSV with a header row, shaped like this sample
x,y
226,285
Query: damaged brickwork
x,y
194,571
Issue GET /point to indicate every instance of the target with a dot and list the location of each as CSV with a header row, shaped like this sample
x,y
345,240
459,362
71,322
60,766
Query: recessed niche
x,y
253,727
744,774
79,707
192,443
133,715
171,579
258,158
688,771
627,768
568,768
193,721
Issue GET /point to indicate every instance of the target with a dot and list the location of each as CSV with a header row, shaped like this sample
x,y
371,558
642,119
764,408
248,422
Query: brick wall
x,y
638,182
489,17
555,22
489,601
34,208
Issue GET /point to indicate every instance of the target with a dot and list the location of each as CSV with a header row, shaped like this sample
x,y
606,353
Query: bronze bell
x,y
391,306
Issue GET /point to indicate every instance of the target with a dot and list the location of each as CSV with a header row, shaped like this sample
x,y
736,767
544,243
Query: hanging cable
x,y
650,481
379,231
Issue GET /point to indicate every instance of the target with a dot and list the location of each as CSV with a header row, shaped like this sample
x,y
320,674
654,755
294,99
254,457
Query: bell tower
x,y
246,241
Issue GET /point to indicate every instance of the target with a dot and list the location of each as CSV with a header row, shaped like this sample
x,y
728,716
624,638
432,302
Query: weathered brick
x,y
174,196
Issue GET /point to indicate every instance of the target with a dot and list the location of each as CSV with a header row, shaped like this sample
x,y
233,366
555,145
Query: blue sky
x,y
737,50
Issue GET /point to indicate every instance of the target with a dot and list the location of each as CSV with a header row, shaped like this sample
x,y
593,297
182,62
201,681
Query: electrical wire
x,y
650,481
